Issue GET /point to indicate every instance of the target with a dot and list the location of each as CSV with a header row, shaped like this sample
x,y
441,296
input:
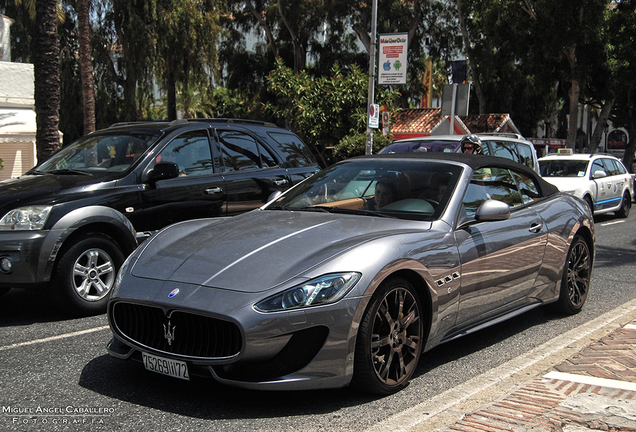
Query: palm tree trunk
x,y
46,65
86,65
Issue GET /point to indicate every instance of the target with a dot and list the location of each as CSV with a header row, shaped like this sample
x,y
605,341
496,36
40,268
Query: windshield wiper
x,y
66,171
309,208
36,172
342,210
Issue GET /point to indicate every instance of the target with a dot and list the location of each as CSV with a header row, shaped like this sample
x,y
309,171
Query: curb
x,y
574,351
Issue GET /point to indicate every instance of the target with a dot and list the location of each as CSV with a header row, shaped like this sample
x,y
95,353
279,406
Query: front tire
x,y
85,274
626,205
590,204
576,277
390,339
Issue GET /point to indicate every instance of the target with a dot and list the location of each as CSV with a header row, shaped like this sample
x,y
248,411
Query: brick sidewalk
x,y
553,404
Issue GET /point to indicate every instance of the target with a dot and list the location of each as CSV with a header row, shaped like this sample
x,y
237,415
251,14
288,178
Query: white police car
x,y
600,179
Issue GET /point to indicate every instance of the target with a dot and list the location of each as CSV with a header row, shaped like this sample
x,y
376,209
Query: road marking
x,y
417,414
52,338
613,223
582,379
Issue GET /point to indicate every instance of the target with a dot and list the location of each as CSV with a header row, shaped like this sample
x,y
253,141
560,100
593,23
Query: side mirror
x,y
163,171
274,196
599,174
492,210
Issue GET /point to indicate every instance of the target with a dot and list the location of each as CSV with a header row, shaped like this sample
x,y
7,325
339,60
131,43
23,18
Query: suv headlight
x,y
320,291
25,218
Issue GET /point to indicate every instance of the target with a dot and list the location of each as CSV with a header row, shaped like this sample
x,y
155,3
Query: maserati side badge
x,y
173,293
168,332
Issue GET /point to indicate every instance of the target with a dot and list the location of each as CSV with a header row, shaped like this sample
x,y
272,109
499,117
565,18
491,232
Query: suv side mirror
x,y
274,196
163,171
599,174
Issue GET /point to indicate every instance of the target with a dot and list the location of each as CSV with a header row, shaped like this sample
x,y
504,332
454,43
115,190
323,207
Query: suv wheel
x,y
85,274
626,205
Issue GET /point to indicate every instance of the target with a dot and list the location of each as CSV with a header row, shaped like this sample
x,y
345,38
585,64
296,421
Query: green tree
x,y
186,49
431,26
621,30
86,64
322,111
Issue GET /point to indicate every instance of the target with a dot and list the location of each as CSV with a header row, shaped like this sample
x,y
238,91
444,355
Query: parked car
x,y
509,146
600,180
352,274
69,223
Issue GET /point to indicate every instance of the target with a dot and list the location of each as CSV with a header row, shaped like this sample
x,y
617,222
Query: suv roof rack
x,y
139,122
196,120
223,120
502,134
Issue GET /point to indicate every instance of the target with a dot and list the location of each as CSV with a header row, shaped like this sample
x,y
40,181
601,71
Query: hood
x,y
46,188
566,184
260,250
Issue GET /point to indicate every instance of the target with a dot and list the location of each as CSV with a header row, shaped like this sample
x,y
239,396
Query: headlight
x,y
320,291
25,218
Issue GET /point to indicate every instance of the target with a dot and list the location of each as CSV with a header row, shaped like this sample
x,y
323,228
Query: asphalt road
x,y
56,374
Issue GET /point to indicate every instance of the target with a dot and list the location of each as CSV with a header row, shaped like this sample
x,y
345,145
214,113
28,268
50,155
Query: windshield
x,y
102,152
563,168
405,189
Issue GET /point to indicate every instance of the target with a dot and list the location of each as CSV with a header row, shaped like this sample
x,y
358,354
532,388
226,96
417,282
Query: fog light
x,y
6,265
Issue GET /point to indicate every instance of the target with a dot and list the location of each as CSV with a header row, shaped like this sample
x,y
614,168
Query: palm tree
x,y
46,65
86,65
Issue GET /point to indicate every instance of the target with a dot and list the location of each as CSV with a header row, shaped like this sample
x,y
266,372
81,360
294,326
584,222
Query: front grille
x,y
177,332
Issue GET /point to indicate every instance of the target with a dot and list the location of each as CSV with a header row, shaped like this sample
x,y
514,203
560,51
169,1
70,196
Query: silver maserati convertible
x,y
349,276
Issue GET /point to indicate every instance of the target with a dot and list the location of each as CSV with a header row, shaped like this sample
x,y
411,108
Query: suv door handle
x,y
535,227
281,182
213,191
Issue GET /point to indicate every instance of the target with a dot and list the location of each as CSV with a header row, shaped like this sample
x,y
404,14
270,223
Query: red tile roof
x,y
417,120
423,121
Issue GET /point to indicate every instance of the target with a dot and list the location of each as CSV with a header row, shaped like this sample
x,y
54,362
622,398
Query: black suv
x,y
68,224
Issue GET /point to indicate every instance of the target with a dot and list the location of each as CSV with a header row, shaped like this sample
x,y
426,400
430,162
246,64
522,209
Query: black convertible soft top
x,y
474,162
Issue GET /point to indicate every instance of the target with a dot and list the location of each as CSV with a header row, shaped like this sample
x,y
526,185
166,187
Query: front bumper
x,y
307,349
24,249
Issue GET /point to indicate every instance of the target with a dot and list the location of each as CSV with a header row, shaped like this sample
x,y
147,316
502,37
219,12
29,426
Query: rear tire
x,y
85,274
626,205
575,283
390,339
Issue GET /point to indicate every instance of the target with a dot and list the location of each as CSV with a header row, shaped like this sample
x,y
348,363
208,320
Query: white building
x,y
17,115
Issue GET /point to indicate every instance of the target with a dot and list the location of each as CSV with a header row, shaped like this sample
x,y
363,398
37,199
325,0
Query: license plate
x,y
165,366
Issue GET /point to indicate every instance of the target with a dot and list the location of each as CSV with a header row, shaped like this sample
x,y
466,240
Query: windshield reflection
x,y
95,153
408,189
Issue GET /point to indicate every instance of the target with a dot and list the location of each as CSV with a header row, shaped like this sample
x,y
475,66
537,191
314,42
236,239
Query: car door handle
x,y
535,227
281,182
213,191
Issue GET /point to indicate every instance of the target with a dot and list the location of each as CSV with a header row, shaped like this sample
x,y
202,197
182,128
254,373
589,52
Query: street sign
x,y
385,118
374,116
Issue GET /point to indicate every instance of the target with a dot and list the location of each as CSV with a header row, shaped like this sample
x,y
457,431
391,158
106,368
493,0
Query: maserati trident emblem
x,y
168,332
173,293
